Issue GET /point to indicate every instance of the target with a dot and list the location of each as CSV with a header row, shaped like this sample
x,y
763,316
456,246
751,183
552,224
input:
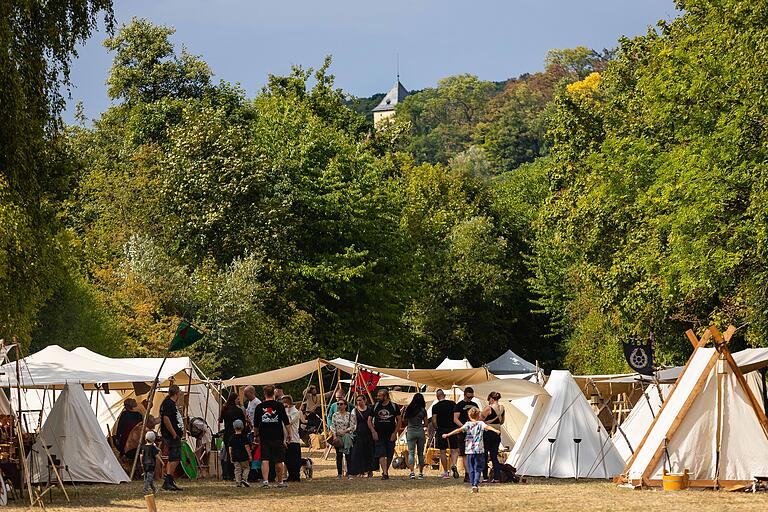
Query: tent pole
x,y
207,396
322,398
189,392
353,384
150,397
24,468
42,407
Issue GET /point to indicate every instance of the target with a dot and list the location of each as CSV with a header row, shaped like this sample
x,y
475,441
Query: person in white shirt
x,y
293,451
250,394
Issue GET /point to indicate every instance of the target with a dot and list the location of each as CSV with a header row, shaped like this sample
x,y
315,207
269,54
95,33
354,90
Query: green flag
x,y
185,335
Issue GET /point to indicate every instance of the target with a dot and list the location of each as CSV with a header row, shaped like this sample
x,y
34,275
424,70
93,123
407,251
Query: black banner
x,y
639,357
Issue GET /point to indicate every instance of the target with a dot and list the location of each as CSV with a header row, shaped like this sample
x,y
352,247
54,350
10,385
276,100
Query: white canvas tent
x,y
54,366
92,370
454,364
711,424
203,398
632,430
630,433
563,417
74,437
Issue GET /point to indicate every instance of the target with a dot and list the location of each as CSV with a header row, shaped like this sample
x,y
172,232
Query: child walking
x,y
240,453
473,445
149,453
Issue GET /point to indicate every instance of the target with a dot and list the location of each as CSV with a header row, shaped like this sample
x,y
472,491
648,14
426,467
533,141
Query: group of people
x,y
366,435
266,432
267,435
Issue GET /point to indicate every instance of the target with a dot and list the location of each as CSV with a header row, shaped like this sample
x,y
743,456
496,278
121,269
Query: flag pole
x,y
353,385
150,398
184,341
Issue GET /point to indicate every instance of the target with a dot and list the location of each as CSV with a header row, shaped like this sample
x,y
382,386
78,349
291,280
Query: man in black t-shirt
x,y
442,421
384,425
172,430
460,417
271,419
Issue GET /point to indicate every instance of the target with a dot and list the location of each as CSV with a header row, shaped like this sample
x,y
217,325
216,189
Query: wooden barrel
x,y
675,481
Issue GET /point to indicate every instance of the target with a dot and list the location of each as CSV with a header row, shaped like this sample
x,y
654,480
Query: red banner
x,y
366,381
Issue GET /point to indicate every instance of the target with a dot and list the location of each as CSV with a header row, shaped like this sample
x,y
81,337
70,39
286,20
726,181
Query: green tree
x,y
37,40
146,68
443,119
656,219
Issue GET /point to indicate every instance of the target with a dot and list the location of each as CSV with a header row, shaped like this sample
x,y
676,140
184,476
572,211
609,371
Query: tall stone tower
x,y
386,109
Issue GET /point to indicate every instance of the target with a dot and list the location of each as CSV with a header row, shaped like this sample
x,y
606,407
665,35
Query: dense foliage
x,y
656,218
37,40
614,195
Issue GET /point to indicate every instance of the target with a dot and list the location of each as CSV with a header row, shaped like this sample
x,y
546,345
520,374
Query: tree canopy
x,y
617,194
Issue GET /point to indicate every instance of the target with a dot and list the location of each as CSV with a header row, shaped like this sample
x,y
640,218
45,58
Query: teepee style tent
x,y
510,363
564,417
711,424
74,437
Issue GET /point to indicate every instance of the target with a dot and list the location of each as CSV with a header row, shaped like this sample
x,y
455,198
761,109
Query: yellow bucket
x,y
675,481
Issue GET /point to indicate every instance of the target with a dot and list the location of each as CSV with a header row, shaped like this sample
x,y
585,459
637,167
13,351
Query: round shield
x,y
188,461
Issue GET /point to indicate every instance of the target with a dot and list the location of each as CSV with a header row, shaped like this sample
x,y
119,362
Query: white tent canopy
x,y
563,417
348,366
708,425
203,401
54,366
74,437
39,390
454,364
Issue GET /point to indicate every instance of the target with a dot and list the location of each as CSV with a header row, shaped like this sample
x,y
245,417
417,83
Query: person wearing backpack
x,y
493,414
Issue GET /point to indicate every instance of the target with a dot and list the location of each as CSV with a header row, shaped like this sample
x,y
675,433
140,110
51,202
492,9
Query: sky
x,y
243,41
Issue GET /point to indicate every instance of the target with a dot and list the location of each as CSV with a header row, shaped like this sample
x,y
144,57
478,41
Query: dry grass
x,y
325,493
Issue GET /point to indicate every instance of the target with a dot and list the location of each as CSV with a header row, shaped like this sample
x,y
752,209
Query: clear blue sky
x,y
245,40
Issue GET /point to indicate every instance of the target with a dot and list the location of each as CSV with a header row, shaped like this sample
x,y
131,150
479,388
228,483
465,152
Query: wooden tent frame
x,y
721,353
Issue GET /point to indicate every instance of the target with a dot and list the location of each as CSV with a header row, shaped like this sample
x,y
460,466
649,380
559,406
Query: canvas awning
x,y
287,374
54,367
348,366
177,367
438,378
751,359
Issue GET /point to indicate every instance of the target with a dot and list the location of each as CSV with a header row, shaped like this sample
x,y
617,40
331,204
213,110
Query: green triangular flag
x,y
184,337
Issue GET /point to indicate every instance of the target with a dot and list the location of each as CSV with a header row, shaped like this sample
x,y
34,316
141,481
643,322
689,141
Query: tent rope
x,y
556,423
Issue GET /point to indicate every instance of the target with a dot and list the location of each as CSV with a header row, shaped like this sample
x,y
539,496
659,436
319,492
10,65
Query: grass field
x,y
326,493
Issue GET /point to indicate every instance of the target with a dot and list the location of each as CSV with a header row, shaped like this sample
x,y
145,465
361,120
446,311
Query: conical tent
x,y
510,363
563,437
74,437
711,425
